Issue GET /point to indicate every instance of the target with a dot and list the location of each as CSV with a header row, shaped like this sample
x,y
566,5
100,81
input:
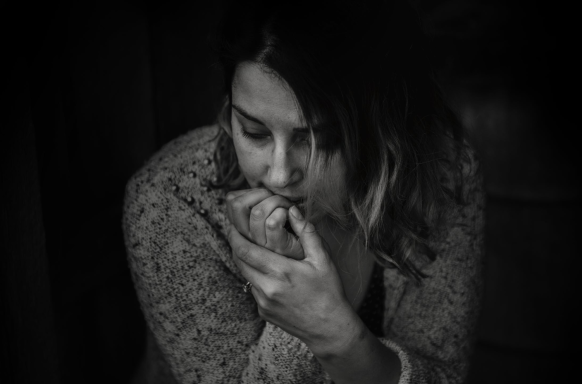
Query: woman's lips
x,y
294,199
290,198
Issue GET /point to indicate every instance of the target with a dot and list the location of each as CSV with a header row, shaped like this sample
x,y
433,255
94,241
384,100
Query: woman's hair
x,y
361,76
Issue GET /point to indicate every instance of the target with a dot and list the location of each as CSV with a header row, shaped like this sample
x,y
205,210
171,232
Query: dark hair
x,y
360,73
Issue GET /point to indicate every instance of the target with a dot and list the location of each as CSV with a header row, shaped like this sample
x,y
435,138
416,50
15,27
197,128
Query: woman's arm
x,y
358,356
432,326
188,287
428,327
305,298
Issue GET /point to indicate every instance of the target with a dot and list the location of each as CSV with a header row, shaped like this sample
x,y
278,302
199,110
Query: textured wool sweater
x,y
204,329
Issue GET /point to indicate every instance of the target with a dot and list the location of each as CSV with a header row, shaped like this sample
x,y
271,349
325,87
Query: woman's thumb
x,y
308,236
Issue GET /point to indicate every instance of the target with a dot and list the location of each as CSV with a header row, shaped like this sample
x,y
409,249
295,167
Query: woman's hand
x,y
260,216
303,297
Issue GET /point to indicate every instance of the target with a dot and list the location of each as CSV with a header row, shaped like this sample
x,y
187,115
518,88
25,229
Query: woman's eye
x,y
254,136
300,139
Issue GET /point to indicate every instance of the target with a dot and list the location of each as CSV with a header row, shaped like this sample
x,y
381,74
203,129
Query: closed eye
x,y
301,138
254,136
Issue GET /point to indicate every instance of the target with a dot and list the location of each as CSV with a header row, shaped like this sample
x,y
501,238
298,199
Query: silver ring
x,y
247,286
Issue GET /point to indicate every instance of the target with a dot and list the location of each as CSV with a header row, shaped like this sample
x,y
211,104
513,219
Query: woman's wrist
x,y
343,330
355,355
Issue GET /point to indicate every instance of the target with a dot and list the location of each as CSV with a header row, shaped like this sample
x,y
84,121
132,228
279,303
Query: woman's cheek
x,y
251,162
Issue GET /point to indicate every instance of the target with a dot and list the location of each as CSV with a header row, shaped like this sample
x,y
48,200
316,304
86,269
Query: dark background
x,y
92,90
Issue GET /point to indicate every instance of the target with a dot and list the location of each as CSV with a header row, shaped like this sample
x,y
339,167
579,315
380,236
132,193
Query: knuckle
x,y
236,204
271,293
261,301
280,213
257,212
230,197
242,251
272,223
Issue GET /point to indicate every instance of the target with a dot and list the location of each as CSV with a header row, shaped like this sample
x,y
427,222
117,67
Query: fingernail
x,y
296,213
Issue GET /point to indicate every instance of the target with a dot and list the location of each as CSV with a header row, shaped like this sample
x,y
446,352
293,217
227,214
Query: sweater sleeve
x,y
199,319
431,326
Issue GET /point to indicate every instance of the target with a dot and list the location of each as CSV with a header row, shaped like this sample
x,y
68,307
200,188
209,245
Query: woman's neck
x,y
353,262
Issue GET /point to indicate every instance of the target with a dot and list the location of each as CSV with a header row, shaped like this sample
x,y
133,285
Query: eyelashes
x,y
254,136
258,137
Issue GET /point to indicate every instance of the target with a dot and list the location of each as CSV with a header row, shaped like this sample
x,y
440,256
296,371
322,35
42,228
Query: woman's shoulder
x,y
170,209
470,188
182,170
469,162
462,174
462,229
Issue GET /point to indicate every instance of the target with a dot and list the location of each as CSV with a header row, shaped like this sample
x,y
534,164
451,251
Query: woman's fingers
x,y
279,240
262,212
312,243
239,205
231,196
260,216
250,257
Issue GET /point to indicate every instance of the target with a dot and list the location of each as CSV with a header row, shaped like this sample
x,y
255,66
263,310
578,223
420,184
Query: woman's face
x,y
271,141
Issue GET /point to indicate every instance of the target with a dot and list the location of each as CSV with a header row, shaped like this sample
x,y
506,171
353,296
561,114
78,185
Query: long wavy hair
x,y
361,75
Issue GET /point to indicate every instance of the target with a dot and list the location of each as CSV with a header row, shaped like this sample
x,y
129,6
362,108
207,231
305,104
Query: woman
x,y
336,191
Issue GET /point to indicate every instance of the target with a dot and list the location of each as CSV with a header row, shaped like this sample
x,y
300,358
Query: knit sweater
x,y
204,329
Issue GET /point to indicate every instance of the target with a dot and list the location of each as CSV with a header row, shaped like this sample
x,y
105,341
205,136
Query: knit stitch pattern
x,y
204,329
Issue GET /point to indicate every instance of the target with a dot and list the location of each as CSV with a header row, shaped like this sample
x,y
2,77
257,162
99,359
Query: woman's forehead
x,y
265,96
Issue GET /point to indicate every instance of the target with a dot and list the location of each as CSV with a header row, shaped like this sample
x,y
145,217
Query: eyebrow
x,y
250,117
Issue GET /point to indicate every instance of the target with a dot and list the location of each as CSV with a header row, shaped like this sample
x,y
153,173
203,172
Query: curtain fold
x,y
28,340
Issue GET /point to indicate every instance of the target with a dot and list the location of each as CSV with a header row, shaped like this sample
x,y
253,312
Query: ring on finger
x,y
247,287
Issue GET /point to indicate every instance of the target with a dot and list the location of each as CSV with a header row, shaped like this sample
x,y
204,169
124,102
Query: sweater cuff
x,y
405,362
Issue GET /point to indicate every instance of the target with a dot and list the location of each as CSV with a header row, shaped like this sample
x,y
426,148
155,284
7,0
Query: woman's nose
x,y
283,171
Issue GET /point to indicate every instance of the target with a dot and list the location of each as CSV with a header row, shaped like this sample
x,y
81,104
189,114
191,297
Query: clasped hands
x,y
295,282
